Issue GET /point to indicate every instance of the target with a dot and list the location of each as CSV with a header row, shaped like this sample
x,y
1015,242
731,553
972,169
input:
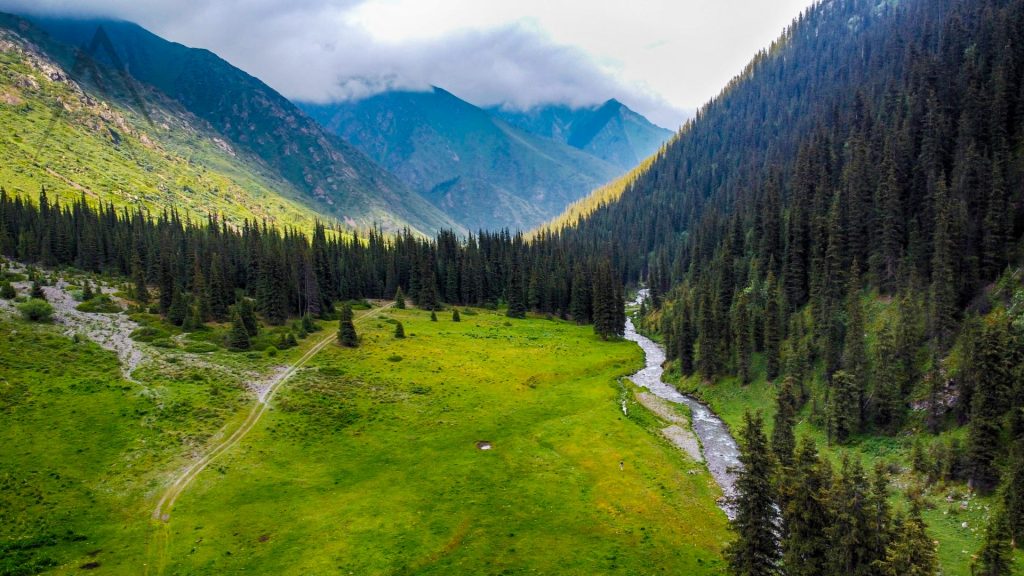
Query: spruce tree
x,y
238,338
433,316
994,378
850,531
772,328
855,355
87,292
37,291
889,406
996,555
755,551
399,330
514,295
247,313
807,514
399,299
911,551
579,306
783,441
455,315
346,329
842,408
140,291
1013,493
179,308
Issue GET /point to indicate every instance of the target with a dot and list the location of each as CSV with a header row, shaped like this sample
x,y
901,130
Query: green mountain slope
x,y
475,167
205,111
611,131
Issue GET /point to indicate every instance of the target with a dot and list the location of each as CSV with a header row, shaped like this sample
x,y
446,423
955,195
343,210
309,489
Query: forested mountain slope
x,y
845,221
478,169
249,130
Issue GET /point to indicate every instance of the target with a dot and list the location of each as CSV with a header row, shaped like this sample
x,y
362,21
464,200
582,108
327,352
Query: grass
x,y
368,464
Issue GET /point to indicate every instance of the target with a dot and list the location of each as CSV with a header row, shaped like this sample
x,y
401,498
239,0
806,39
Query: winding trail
x,y
720,450
160,535
170,496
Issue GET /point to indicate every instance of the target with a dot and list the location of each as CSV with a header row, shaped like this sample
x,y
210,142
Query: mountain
x,y
837,240
611,131
477,168
250,122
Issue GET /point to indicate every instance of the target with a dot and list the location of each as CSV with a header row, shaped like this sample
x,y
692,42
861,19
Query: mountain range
x,y
492,168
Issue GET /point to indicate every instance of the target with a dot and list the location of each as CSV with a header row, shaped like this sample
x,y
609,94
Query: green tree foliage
x,y
247,313
238,337
36,310
7,291
994,371
807,514
996,555
756,548
399,299
843,407
399,330
455,315
36,292
433,316
346,329
911,551
783,440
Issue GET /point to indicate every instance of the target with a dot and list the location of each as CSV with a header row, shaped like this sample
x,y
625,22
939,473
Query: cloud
x,y
315,50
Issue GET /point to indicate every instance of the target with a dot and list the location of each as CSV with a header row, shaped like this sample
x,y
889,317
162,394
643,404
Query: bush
x,y
7,291
149,334
100,304
200,347
164,343
36,310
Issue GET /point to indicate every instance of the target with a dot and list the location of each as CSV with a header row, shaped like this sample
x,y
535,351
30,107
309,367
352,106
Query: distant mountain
x,y
474,166
248,117
611,131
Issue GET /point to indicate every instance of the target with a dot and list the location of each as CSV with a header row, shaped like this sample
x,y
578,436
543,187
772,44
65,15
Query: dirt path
x,y
170,496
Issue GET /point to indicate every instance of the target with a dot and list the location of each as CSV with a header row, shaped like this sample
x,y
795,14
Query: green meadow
x,y
369,460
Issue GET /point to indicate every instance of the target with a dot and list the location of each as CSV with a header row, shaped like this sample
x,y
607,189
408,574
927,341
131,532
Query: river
x,y
720,450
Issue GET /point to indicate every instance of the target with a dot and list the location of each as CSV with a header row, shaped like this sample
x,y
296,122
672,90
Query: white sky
x,y
660,57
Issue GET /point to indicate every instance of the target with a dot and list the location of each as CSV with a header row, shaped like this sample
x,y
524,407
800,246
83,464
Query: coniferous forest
x,y
873,155
845,221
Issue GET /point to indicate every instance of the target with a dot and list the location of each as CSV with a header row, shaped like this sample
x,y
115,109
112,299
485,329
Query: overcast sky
x,y
660,57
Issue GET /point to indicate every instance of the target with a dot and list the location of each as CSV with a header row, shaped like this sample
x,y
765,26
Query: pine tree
x,y
1013,493
996,555
772,328
850,531
516,305
455,315
994,378
806,514
37,291
911,551
855,355
842,408
179,308
889,406
346,329
140,291
238,338
399,330
783,441
399,299
87,292
579,306
433,316
755,551
248,315
943,287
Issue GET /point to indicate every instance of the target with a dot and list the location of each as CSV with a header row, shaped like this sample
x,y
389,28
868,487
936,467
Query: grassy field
x,y
367,462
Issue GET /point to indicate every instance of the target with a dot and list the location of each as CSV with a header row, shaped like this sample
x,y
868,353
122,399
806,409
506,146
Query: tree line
x,y
196,272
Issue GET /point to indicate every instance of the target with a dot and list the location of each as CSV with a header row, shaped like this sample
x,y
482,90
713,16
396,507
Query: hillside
x,y
249,132
476,168
611,131
836,241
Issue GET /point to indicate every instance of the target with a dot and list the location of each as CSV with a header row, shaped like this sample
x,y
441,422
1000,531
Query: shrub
x,y
7,291
149,334
201,347
100,304
36,310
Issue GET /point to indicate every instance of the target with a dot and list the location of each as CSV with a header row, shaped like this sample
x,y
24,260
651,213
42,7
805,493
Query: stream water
x,y
720,450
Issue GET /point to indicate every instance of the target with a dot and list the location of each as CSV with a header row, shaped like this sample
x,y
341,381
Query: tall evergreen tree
x,y
755,551
346,328
807,514
996,555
